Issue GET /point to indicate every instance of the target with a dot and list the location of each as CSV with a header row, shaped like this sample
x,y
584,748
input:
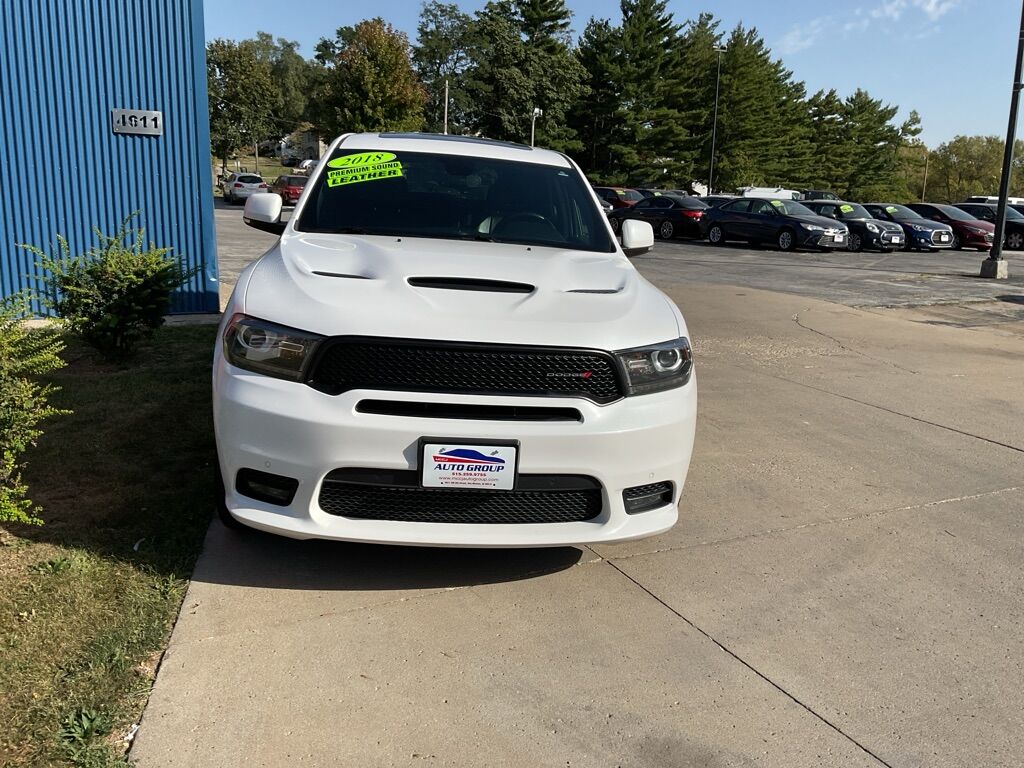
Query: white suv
x,y
239,186
447,346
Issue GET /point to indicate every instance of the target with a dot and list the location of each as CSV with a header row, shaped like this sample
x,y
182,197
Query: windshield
x,y
901,212
1013,213
853,211
419,194
792,208
955,213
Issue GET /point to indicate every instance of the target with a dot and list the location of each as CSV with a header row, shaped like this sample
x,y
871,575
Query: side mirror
x,y
263,212
637,237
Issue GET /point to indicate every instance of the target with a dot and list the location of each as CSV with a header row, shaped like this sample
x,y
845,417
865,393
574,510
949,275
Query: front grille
x,y
344,364
941,236
544,499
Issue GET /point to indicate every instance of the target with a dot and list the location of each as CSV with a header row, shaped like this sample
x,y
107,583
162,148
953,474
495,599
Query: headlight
x,y
267,348
976,230
873,228
657,367
919,228
812,227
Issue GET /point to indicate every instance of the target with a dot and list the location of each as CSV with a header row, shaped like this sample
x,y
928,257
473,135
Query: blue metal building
x,y
103,111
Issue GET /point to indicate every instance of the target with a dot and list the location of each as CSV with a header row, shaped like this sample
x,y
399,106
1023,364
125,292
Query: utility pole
x,y
446,106
537,112
256,146
995,265
714,125
924,185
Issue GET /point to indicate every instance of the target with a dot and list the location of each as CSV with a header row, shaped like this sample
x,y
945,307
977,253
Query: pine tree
x,y
594,117
651,147
521,61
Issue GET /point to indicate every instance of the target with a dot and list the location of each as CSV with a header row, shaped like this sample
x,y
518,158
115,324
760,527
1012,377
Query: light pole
x,y
714,124
924,186
446,106
537,112
995,266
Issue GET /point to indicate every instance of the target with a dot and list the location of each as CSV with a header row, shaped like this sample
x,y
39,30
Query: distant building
x,y
104,112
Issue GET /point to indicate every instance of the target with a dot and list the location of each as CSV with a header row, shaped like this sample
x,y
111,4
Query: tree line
x,y
632,100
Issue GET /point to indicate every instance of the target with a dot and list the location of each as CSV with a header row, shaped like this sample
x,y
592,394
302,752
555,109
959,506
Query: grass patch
x,y
88,599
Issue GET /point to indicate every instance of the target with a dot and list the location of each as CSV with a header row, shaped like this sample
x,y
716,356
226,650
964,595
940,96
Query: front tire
x,y
855,243
716,235
614,225
957,245
221,505
1015,241
667,230
786,240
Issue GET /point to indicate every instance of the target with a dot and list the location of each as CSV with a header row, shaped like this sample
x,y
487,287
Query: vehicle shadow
x,y
255,559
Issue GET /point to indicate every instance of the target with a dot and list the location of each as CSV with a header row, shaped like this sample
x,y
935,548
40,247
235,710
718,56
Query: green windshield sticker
x,y
364,166
846,208
777,203
891,208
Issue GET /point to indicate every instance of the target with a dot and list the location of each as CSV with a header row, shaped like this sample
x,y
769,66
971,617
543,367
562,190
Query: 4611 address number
x,y
137,121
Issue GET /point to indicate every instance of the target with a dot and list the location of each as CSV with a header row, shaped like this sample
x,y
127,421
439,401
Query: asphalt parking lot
x,y
843,588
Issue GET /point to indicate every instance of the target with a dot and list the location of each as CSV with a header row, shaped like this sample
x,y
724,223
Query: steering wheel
x,y
525,217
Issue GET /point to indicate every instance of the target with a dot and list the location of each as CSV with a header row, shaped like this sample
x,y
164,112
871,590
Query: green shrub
x,y
114,295
24,354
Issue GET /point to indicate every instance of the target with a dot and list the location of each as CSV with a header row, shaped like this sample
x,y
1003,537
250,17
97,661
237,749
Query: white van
x,y
776,193
994,199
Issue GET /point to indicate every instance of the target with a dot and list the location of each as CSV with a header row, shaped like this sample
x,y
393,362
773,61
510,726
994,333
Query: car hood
x,y
889,226
987,226
359,285
927,224
820,221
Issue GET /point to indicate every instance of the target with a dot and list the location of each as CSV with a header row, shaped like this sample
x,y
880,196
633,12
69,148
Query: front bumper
x,y
929,239
827,239
980,240
886,239
290,429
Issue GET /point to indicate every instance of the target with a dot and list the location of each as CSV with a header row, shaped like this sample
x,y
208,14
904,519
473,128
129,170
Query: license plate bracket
x,y
474,464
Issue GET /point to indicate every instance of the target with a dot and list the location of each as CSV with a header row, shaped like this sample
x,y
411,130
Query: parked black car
x,y
865,231
1014,234
922,233
786,223
669,215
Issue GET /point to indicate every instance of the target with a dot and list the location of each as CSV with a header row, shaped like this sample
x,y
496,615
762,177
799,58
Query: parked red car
x,y
968,232
289,188
619,197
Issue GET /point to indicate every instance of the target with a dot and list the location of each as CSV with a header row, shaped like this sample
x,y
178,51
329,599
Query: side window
x,y
662,202
765,209
825,210
647,202
740,206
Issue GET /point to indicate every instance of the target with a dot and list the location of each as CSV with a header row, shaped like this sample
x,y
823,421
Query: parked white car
x,y
238,186
448,346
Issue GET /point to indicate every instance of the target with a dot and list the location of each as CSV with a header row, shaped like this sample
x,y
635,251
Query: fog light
x,y
263,486
642,498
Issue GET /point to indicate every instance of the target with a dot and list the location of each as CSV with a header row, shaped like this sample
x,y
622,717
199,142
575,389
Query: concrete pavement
x,y
843,588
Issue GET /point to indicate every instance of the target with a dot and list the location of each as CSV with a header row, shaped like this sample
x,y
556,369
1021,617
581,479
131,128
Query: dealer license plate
x,y
488,466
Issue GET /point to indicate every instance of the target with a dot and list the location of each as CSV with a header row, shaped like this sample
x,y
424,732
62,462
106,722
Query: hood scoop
x,y
341,274
470,284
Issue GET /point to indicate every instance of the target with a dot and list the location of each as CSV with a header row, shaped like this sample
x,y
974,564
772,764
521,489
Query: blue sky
x,y
951,60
